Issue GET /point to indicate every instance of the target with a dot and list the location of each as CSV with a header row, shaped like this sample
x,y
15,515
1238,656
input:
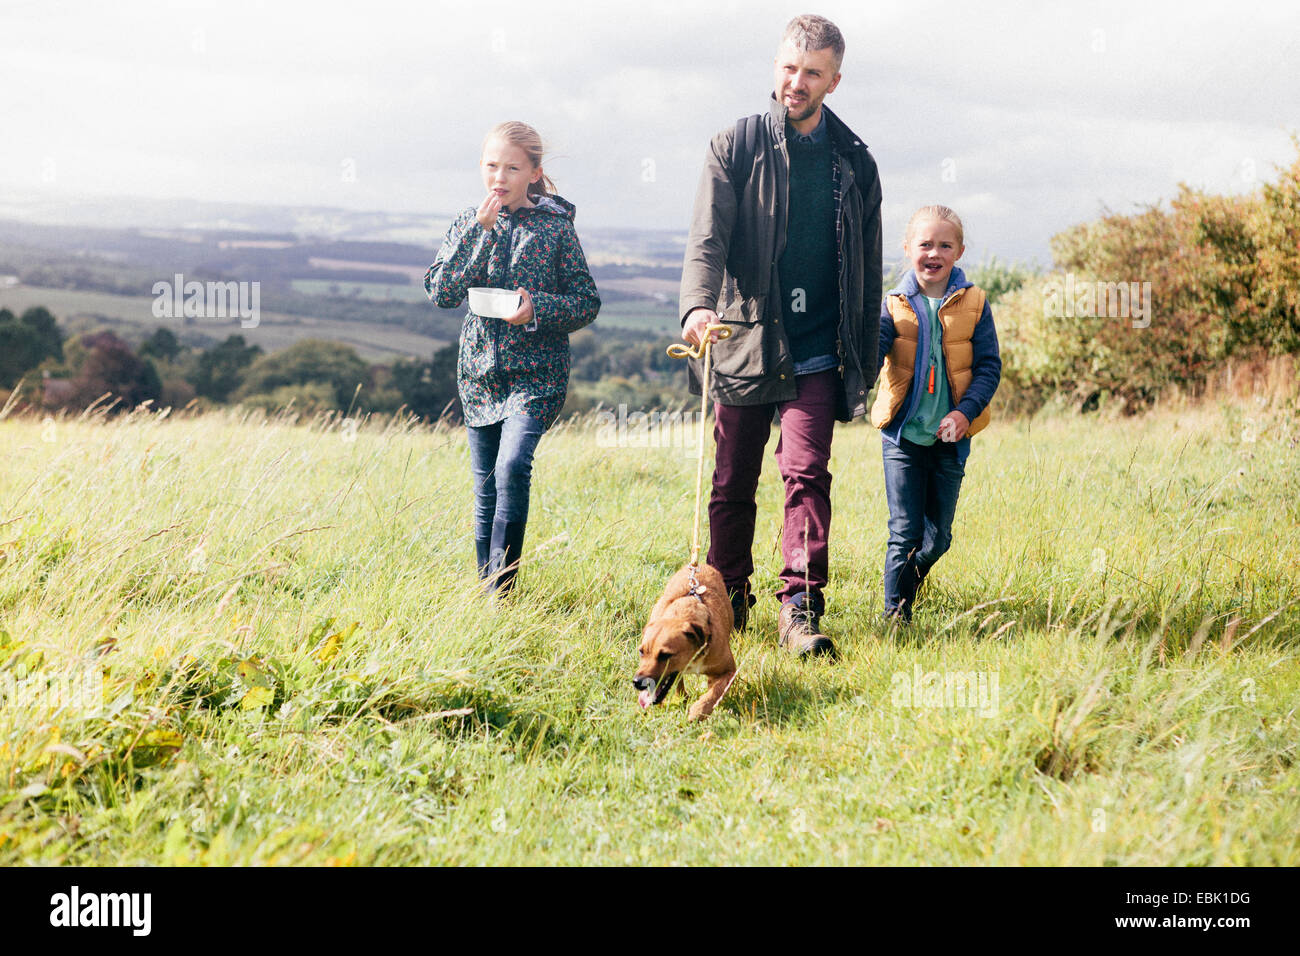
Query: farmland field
x,y
367,290
640,315
644,317
133,318
236,639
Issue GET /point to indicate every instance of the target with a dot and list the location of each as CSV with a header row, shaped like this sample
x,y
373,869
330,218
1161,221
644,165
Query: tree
x,y
305,362
16,344
26,342
46,330
220,369
163,344
429,388
109,366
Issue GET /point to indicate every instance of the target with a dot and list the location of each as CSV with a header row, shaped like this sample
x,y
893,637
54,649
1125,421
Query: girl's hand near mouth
x,y
487,211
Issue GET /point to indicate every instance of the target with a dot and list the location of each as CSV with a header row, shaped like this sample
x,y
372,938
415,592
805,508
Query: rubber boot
x,y
909,579
921,572
482,556
508,543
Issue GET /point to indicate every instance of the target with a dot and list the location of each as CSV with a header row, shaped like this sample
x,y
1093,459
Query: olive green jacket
x,y
732,257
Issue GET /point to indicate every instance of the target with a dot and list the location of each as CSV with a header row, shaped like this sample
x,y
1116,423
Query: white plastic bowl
x,y
494,303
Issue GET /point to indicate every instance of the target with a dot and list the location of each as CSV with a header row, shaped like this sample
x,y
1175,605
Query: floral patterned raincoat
x,y
507,369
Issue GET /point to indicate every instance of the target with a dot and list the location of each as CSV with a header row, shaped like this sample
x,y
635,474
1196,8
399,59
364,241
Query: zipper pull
x,y
930,388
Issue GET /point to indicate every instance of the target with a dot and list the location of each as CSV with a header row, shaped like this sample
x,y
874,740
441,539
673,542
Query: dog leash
x,y
704,352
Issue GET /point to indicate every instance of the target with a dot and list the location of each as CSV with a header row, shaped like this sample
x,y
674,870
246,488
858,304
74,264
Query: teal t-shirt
x,y
922,428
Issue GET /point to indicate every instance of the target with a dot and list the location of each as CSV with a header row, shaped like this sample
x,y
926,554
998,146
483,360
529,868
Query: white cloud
x,y
1032,116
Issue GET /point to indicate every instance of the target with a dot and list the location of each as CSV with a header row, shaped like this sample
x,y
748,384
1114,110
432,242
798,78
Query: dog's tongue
x,y
645,698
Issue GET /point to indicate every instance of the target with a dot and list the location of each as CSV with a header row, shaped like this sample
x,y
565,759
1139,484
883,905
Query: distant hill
x,y
355,277
314,264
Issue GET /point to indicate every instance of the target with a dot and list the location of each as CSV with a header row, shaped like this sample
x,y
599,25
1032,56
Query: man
x,y
786,232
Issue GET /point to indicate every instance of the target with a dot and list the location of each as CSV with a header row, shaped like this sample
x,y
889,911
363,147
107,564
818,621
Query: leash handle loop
x,y
703,350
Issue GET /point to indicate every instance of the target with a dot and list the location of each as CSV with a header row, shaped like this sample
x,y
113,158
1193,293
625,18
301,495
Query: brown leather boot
x,y
800,630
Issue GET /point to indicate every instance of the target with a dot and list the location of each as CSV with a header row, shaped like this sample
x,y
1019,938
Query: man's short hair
x,y
811,32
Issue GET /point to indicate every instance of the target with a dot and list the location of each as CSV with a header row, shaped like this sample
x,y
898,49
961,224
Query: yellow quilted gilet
x,y
959,314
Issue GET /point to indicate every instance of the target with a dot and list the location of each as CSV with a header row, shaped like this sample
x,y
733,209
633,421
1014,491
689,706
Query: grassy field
x,y
235,640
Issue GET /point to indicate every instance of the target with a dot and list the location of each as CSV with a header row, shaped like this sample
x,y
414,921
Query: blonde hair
x,y
530,141
941,213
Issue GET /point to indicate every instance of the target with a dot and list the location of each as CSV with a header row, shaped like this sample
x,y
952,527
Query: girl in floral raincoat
x,y
512,373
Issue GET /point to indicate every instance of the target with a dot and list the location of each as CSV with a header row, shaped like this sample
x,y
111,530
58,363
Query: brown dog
x,y
688,634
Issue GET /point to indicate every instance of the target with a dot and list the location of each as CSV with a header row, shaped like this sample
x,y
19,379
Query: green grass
x,y
1130,586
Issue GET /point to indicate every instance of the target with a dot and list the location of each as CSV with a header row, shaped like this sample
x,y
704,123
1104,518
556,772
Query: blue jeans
x,y
921,485
501,460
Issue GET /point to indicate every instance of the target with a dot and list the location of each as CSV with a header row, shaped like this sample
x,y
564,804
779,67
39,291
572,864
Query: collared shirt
x,y
818,135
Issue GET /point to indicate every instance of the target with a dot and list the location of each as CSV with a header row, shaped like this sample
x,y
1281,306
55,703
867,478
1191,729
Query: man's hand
x,y
525,313
696,322
487,211
953,427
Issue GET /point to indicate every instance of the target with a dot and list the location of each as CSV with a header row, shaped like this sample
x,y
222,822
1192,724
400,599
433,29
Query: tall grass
x,y
293,664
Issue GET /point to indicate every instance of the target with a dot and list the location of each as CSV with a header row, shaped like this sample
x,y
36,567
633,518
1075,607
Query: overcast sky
x,y
1025,117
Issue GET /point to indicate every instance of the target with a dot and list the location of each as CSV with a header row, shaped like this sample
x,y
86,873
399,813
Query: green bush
x,y
998,278
1212,277
308,362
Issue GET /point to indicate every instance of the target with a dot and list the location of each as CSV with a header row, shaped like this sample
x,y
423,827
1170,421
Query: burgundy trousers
x,y
802,453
